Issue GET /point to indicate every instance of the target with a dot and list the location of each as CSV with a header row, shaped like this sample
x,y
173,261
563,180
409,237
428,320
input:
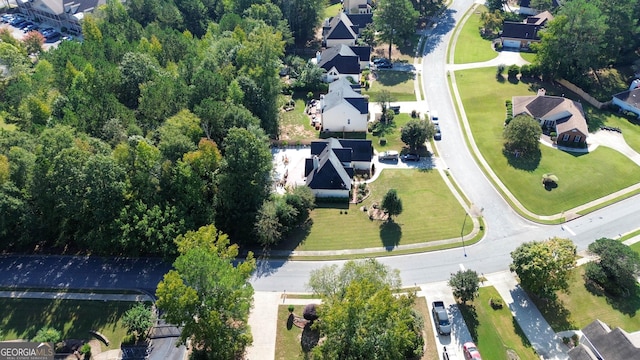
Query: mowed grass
x,y
579,307
288,338
391,134
630,129
398,83
430,213
332,10
22,318
636,247
582,177
295,124
529,56
496,331
471,47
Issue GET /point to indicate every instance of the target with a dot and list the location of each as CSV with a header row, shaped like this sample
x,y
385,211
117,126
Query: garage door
x,y
511,44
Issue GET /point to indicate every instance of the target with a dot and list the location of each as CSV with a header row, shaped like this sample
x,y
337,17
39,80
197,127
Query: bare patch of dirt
x,y
295,131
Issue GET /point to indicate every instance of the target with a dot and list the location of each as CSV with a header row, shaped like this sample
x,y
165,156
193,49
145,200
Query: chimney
x,y
542,92
635,84
318,57
316,163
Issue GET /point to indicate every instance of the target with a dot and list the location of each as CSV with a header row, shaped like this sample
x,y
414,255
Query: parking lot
x,y
15,22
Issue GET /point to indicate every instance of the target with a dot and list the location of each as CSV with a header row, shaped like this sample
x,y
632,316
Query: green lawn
x,y
295,124
495,331
636,247
332,10
398,83
22,318
471,47
578,307
529,56
430,213
486,112
391,132
630,129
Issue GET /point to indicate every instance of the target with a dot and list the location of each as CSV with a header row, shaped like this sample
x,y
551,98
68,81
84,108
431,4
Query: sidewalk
x,y
74,296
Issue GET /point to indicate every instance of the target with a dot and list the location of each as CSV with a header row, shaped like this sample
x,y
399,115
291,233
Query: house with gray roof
x,y
629,100
330,169
339,30
520,35
64,15
564,116
599,342
343,109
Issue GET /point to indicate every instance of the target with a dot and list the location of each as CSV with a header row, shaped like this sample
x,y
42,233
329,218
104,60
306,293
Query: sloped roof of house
x,y
340,91
361,150
360,20
608,344
631,97
342,58
527,29
566,113
326,171
363,52
339,27
540,19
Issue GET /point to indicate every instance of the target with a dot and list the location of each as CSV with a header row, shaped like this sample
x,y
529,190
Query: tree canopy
x,y
395,21
416,132
391,204
138,319
360,315
522,134
465,284
207,295
617,268
543,266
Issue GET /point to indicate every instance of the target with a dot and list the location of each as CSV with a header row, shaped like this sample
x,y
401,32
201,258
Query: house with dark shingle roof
x,y
598,342
339,62
520,35
329,172
526,9
339,30
59,13
629,100
564,116
343,108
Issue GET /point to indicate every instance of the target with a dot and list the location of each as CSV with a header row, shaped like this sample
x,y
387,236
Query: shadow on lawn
x,y
390,234
520,333
528,162
470,317
628,305
554,311
391,78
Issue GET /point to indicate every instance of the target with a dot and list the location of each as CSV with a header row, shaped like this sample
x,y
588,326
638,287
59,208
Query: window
x,y
565,137
577,138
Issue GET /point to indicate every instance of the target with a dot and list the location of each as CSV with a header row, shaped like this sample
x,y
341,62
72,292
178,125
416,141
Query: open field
x,y
22,318
430,213
495,332
398,83
486,112
578,307
471,46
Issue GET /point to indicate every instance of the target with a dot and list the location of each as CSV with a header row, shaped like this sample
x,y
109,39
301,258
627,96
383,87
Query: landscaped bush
x,y
495,303
414,114
509,106
513,71
525,71
291,308
500,70
383,141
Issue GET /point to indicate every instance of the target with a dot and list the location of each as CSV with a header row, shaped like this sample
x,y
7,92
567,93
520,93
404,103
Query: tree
x,y
383,98
360,315
465,284
522,134
47,334
391,204
395,21
543,266
617,268
491,22
303,17
207,295
495,5
416,132
138,319
33,42
244,182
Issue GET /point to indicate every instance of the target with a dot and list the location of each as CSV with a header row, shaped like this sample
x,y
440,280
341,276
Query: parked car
x,y
19,24
384,65
411,157
434,117
16,20
53,36
388,155
379,60
67,38
25,24
7,18
47,31
441,318
438,134
471,351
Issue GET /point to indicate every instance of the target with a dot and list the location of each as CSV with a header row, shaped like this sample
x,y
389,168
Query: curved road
x,y
505,229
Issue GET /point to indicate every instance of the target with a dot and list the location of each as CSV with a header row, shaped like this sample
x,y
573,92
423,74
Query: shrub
x,y
85,349
496,303
525,71
383,141
47,334
414,114
291,308
513,71
500,70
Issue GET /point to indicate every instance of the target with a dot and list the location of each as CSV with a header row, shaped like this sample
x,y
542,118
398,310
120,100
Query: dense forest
x,y
155,124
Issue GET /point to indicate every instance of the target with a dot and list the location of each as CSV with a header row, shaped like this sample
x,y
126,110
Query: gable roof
x,y
340,91
631,97
363,52
326,170
527,29
342,58
526,3
600,342
339,27
360,20
361,150
567,114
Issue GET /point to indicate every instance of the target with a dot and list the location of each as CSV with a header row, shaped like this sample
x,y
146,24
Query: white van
x,y
434,117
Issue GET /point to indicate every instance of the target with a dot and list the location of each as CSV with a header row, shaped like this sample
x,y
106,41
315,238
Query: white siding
x,y
625,106
331,193
344,117
337,42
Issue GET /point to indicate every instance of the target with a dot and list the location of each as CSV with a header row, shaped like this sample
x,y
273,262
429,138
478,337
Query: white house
x,y
356,6
343,109
629,100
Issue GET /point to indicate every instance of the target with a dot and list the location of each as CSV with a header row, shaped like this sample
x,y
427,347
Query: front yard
x,y
473,48
398,83
582,177
430,213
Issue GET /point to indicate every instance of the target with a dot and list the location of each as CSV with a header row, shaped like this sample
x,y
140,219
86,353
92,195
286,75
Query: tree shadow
x,y
390,234
500,78
554,311
310,337
290,321
549,185
628,305
520,333
391,78
470,317
528,162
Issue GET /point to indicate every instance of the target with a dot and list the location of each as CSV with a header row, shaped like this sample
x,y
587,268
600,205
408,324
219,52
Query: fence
x,y
588,98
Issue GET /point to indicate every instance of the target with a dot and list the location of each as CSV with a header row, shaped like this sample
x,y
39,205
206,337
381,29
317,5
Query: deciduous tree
x,y
207,295
617,268
138,319
543,266
391,204
522,134
465,284
416,132
395,21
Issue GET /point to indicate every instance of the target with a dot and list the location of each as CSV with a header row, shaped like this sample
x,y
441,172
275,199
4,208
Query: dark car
x,y
19,24
384,65
438,134
16,20
53,36
46,31
379,60
25,25
31,27
411,157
